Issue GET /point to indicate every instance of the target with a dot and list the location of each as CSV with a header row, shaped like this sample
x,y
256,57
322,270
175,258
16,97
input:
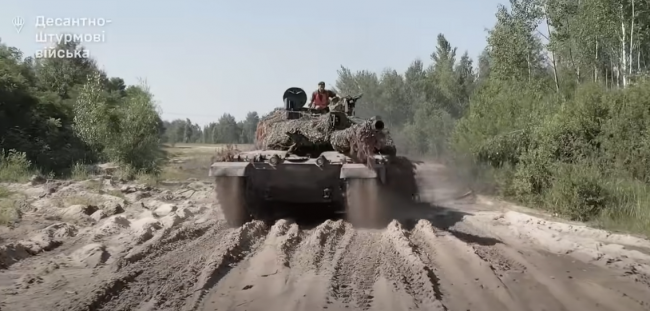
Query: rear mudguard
x,y
361,171
228,169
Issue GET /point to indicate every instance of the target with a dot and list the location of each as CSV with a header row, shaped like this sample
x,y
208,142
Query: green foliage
x,y
627,131
56,112
4,192
9,212
79,172
577,192
569,160
14,166
557,116
566,157
226,130
127,133
418,133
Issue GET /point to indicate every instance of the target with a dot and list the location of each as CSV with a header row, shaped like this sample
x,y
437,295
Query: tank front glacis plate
x,y
296,182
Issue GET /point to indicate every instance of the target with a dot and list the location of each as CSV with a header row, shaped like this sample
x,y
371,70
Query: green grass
x,y
5,193
9,209
79,172
15,167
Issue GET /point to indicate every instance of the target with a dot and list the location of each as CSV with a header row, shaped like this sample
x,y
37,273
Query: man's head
x,y
321,86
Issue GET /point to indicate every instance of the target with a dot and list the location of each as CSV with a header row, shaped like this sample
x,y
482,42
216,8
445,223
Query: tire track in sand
x,y
320,246
279,242
562,283
352,283
284,273
479,273
467,282
239,244
168,276
406,281
86,289
337,267
334,267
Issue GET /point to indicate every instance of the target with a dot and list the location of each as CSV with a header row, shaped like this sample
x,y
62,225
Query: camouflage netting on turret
x,y
263,126
333,131
362,140
302,135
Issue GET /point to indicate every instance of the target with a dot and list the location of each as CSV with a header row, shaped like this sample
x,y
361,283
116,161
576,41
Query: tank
x,y
328,160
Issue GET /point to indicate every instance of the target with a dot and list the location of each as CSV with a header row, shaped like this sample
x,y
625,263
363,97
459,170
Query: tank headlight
x,y
275,160
321,161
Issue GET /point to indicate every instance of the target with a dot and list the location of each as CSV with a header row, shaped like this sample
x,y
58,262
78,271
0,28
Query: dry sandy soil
x,y
130,247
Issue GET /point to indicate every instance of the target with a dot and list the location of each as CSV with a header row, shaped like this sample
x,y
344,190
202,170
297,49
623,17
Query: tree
x,y
227,130
62,111
550,115
248,127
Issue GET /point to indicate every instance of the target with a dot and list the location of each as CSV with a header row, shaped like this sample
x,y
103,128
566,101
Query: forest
x,y
227,130
554,114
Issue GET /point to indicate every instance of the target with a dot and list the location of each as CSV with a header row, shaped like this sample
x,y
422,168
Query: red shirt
x,y
321,99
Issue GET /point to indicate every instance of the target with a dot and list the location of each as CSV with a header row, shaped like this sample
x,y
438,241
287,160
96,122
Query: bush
x,y
14,166
126,132
577,192
60,111
587,159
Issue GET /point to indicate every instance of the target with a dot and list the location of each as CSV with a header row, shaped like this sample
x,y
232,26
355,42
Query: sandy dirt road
x,y
172,250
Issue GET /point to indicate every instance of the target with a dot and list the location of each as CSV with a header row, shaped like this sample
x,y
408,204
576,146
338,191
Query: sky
x,y
202,59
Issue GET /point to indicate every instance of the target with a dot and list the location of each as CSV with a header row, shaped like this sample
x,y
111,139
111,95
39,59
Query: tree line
x,y
554,113
56,113
227,130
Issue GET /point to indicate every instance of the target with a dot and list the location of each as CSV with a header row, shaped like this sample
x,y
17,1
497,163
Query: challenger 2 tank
x,y
327,159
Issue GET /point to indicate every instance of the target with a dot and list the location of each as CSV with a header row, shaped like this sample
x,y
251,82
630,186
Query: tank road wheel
x,y
365,207
231,196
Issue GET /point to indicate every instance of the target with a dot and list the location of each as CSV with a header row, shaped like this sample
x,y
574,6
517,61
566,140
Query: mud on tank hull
x,y
257,180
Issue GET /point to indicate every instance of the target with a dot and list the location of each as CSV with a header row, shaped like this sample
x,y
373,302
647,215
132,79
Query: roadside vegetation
x,y
58,116
555,114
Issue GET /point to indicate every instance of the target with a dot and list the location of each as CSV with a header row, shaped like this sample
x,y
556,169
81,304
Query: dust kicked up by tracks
x,y
467,256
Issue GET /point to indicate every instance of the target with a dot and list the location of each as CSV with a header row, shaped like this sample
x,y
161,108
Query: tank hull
x,y
264,186
297,180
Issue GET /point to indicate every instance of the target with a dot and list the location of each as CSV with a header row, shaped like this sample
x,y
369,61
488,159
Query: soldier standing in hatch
x,y
321,97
